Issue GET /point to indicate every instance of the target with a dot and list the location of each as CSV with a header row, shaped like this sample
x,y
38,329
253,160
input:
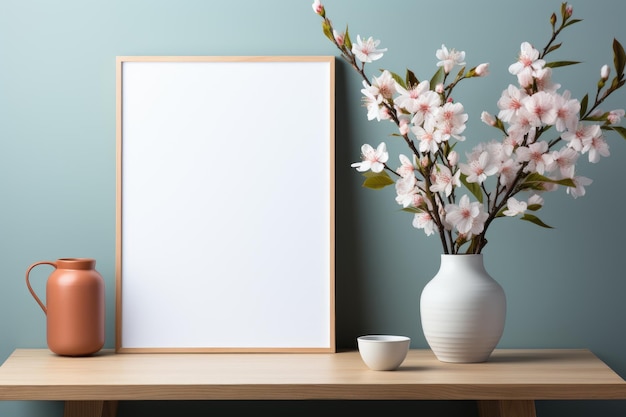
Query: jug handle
x,y
41,304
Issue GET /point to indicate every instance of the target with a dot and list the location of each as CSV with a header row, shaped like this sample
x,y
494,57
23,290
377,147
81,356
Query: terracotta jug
x,y
74,306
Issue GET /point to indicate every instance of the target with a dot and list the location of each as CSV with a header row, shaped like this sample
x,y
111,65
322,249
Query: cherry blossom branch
x,y
427,185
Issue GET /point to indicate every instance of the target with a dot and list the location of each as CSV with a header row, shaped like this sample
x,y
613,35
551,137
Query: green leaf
x,y
571,22
535,219
327,31
563,10
534,207
437,78
561,64
583,105
376,181
398,79
411,79
553,48
619,129
537,186
536,178
346,40
413,210
619,58
601,118
617,83
473,187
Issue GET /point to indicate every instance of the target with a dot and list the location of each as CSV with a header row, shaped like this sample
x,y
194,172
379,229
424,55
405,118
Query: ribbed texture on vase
x,y
448,349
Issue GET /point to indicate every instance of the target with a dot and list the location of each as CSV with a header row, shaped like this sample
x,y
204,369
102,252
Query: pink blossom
x,y
373,100
453,158
537,156
428,142
405,190
450,121
582,134
543,80
566,112
479,168
522,128
367,50
443,181
383,86
514,207
403,126
541,107
579,189
426,104
406,168
510,103
509,144
615,116
596,146
528,62
424,220
508,171
467,217
535,200
409,99
372,159
565,160
449,58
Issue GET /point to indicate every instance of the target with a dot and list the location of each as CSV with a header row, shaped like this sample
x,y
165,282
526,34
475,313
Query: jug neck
x,y
76,263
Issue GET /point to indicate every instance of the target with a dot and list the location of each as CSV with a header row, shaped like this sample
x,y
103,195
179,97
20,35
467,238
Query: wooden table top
x,y
510,374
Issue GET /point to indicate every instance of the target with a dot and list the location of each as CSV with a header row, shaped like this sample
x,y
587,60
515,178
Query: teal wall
x,y
565,286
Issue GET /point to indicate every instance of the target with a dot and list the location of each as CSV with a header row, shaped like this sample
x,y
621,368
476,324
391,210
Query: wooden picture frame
x,y
225,204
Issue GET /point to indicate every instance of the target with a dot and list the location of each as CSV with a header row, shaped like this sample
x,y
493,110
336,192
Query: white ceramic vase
x,y
463,310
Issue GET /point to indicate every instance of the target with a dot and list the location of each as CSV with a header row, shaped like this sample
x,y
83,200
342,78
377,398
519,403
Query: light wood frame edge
x,y
118,205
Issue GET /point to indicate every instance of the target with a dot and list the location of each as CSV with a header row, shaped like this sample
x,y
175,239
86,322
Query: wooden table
x,y
505,386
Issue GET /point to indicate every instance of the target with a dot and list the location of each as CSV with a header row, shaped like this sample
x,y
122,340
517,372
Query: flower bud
x,y
403,125
553,19
318,8
453,158
615,116
604,72
439,89
487,119
566,11
482,70
339,37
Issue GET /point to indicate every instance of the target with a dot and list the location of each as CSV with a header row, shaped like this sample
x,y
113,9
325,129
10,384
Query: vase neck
x,y
471,261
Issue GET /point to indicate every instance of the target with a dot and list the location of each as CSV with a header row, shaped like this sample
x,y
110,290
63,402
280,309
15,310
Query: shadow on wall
x,y
349,304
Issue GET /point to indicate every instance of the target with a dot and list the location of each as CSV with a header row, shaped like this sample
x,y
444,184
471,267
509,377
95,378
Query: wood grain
x,y
508,375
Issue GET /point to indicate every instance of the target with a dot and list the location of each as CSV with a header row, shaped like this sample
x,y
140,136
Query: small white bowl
x,y
383,352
